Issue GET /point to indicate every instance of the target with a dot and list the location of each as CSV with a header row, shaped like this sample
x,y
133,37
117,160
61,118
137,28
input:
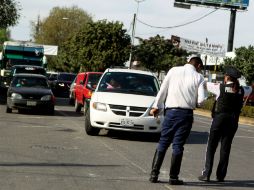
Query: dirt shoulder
x,y
242,120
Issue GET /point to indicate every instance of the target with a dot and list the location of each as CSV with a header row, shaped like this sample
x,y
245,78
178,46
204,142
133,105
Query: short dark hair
x,y
197,61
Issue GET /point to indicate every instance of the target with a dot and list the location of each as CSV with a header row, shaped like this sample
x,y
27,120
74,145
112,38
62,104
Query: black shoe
x,y
175,182
153,179
220,180
204,178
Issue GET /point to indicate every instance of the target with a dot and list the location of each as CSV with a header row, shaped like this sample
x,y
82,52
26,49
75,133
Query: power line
x,y
176,26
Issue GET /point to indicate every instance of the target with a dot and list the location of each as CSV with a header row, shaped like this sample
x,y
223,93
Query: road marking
x,y
244,137
121,155
168,187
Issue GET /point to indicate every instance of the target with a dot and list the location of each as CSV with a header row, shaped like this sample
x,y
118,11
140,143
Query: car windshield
x,y
131,83
93,80
30,82
66,77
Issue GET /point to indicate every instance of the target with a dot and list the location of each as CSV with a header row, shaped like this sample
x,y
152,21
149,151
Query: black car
x,y
61,83
30,91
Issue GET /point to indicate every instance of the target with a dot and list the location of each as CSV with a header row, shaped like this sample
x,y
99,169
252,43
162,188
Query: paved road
x,y
39,152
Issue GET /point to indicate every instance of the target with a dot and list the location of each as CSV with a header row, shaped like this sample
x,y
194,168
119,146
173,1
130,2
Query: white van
x,y
122,101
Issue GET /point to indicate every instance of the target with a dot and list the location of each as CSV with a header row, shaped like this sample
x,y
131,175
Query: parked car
x,y
86,82
122,101
30,91
61,82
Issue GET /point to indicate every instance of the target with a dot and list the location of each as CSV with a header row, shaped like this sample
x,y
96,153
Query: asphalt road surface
x,y
39,152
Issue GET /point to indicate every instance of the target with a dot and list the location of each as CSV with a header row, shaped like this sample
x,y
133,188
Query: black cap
x,y
232,72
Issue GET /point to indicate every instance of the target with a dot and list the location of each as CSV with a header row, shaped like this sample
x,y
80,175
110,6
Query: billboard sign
x,y
217,50
235,4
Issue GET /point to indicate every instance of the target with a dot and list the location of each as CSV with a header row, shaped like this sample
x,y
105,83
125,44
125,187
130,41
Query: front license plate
x,y
31,103
126,122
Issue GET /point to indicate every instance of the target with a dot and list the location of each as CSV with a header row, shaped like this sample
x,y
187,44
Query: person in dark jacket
x,y
226,111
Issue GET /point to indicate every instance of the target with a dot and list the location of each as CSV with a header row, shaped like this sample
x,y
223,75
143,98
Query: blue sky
x,y
160,13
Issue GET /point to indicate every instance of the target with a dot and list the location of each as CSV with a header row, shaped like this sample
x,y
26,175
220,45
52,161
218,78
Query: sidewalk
x,y
242,120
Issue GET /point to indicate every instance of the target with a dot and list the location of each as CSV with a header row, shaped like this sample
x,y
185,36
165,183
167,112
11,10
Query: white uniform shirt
x,y
183,87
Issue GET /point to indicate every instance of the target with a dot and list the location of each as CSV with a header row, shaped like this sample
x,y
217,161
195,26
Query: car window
x,y
52,77
30,82
93,80
131,83
66,77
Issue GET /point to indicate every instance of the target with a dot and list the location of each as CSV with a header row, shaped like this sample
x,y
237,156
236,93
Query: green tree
x,y
4,36
158,54
9,13
244,61
98,46
58,27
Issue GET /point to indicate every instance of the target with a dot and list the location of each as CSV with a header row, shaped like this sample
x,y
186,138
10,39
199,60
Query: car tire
x,y
77,106
71,101
90,130
52,111
8,110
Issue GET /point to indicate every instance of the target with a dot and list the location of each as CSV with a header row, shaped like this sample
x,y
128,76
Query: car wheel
x,y
52,111
8,110
90,130
77,106
85,107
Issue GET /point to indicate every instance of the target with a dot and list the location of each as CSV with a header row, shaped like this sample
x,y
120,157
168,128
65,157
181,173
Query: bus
x,y
19,53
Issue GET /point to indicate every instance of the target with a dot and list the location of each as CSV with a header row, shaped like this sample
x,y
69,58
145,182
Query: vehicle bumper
x,y
29,104
108,120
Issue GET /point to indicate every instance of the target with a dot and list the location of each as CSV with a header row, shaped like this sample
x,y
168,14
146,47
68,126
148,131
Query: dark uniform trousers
x,y
176,128
223,129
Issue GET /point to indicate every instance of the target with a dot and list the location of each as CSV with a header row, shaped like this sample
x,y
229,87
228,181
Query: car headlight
x,y
61,84
99,106
46,97
16,96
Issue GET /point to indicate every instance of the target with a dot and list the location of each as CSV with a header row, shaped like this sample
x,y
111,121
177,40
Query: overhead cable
x,y
176,26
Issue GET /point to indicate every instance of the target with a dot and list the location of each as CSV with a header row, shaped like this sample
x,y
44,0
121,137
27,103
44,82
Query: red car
x,y
86,82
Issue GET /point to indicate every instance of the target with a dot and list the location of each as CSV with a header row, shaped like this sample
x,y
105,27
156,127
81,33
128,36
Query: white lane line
x,y
246,137
168,187
241,127
124,157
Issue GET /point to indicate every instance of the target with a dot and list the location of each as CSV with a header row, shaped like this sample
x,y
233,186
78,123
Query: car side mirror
x,y
89,86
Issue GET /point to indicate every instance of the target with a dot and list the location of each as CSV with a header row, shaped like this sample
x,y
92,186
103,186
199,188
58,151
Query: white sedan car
x,y
122,101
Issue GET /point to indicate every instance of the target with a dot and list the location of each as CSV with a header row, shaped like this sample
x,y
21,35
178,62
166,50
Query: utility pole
x,y
231,30
132,39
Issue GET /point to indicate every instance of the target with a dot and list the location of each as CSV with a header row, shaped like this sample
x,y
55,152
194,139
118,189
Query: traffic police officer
x,y
181,90
225,113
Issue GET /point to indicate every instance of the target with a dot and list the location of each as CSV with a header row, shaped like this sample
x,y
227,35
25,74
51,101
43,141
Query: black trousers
x,y
223,129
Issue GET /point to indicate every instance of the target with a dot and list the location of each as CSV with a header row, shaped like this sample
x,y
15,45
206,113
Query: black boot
x,y
176,161
156,165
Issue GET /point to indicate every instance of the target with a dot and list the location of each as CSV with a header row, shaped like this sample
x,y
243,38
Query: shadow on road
x,y
42,164
132,136
227,183
194,138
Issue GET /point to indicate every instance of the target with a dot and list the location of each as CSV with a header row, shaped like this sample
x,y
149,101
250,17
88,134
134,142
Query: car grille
x,y
129,111
31,97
